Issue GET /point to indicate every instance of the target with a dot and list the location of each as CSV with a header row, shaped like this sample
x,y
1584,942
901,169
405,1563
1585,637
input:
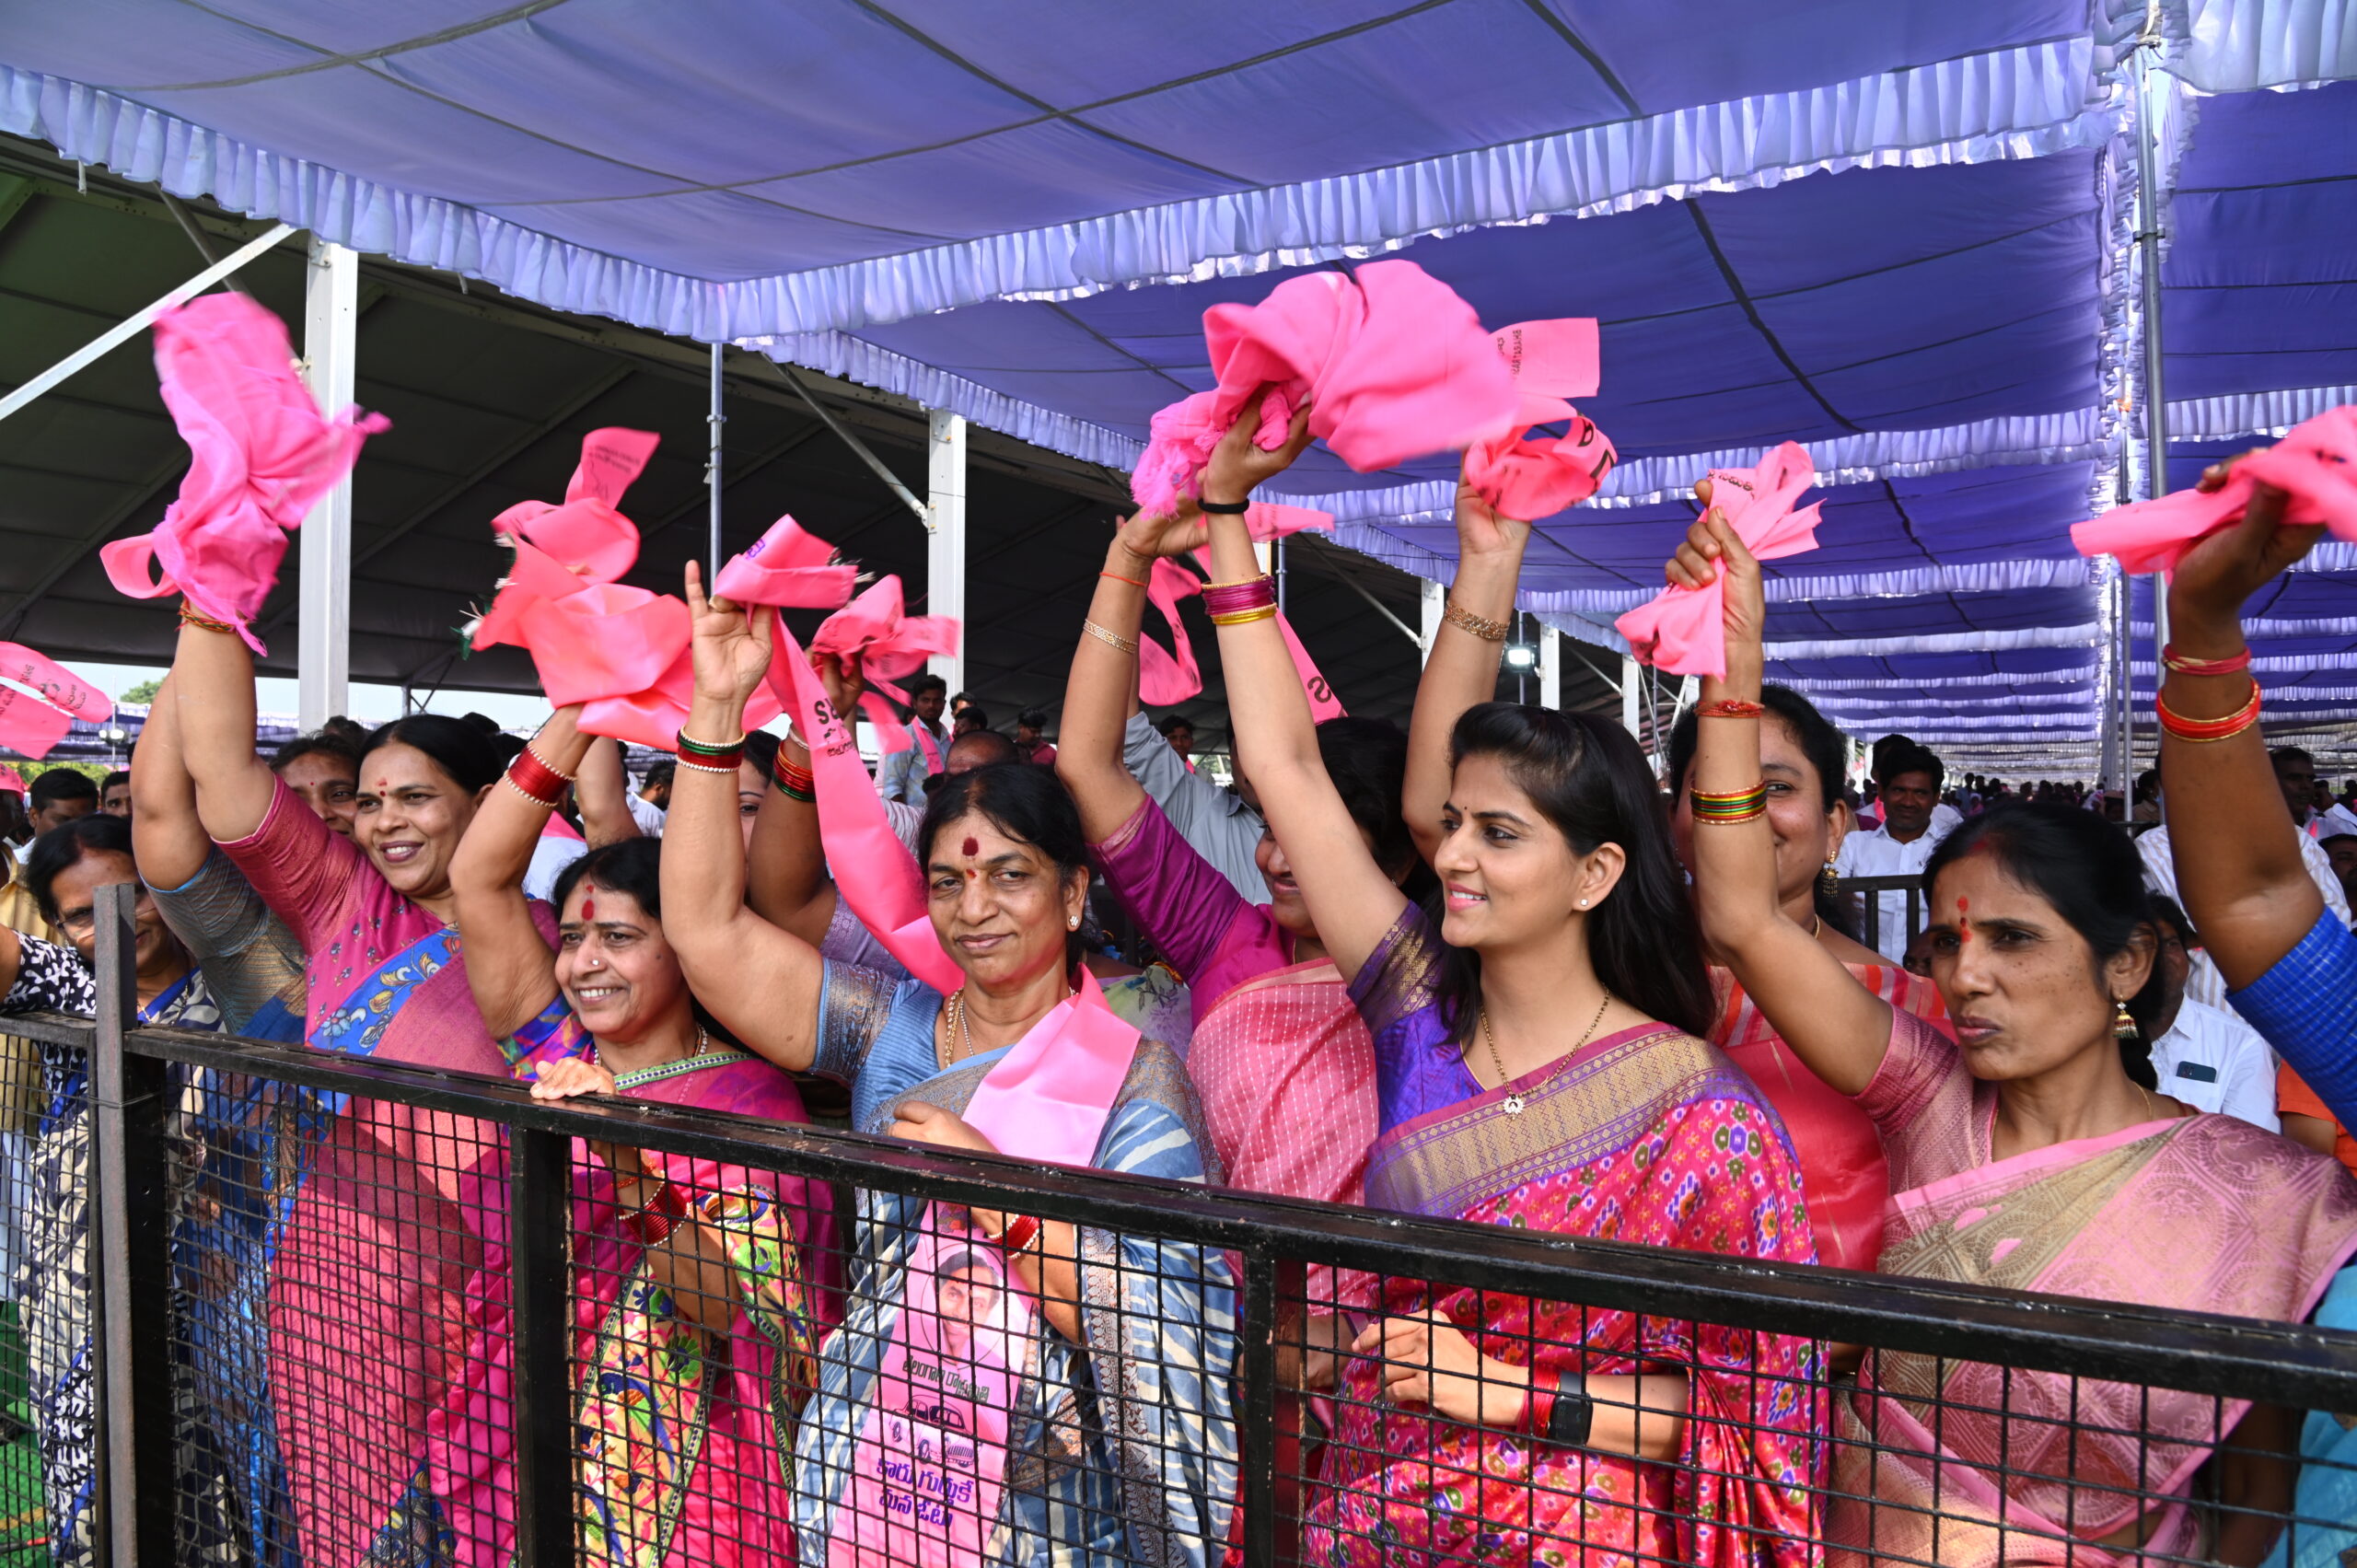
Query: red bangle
x,y
1730,708
1538,1407
794,782
2233,665
1232,599
2205,730
654,1220
1019,1234
535,781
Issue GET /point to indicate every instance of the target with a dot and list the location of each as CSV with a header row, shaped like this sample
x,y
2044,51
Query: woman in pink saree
x,y
696,1322
374,1249
1537,1066
1842,1169
2032,1152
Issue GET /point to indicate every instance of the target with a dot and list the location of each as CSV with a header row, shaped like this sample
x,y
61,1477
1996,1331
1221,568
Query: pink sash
x,y
40,699
930,1463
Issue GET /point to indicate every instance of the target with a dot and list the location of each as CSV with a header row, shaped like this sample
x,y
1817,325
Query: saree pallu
x,y
1977,1465
680,1436
376,1240
1648,1135
1120,1446
1844,1178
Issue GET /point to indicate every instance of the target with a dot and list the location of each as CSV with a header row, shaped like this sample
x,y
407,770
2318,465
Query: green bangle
x,y
691,747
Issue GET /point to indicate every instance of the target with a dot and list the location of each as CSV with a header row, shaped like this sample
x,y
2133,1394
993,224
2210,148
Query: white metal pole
x,y
1436,602
122,330
945,555
1551,667
1631,680
714,418
323,636
2149,84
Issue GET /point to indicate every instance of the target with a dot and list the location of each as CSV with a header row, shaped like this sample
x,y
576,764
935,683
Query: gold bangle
x,y
1480,626
1121,643
1242,617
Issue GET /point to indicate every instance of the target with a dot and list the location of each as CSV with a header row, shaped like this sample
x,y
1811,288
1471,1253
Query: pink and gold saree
x,y
2201,1212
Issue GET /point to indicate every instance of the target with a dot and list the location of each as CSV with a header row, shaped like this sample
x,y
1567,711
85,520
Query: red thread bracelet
x,y
1730,708
1119,578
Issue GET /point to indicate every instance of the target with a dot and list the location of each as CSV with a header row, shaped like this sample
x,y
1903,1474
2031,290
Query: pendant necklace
x,y
1513,1100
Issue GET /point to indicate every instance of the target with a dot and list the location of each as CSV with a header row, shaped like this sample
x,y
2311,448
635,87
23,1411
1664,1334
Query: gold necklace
x,y
955,1018
1515,1102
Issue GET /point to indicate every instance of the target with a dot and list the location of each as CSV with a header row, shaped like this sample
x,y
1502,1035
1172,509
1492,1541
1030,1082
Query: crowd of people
x,y
1494,969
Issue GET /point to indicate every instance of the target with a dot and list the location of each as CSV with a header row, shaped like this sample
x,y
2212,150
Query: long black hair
x,y
1368,761
1026,804
1588,778
462,752
1828,750
2089,871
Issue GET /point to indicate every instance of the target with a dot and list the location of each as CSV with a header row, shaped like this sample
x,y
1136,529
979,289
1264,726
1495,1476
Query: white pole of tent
x,y
945,553
714,418
1630,681
98,347
323,623
1436,602
2149,84
1551,667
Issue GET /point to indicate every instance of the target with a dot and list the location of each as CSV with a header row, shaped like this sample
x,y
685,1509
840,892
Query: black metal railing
x,y
148,1163
1870,893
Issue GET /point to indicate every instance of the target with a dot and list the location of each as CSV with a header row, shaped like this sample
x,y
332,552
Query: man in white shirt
x,y
902,773
2204,983
2205,1056
1908,781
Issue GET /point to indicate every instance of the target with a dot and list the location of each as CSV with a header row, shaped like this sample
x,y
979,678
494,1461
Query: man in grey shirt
x,y
1216,822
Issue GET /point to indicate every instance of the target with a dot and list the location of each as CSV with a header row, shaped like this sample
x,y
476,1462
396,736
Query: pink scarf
x,y
40,699
1170,676
1394,363
890,645
1524,479
2312,464
1684,629
930,1463
260,455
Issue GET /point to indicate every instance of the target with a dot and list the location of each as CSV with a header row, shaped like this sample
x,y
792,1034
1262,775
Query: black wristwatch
x,y
1574,1417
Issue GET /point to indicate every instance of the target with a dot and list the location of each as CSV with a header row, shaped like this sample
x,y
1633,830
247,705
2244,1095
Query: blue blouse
x,y
2306,1007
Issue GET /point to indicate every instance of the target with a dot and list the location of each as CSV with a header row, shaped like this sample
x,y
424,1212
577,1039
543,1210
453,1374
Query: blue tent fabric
x,y
1899,233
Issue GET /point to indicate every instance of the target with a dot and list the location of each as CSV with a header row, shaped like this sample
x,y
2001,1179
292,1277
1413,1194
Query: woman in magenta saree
x,y
2033,1152
372,1247
695,1323
1537,1065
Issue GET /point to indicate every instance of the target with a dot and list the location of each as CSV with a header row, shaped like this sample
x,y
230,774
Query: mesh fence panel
x,y
720,1353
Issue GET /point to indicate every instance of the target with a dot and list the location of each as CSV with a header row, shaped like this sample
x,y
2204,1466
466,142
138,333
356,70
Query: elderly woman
x,y
2031,1151
1086,1418
691,1281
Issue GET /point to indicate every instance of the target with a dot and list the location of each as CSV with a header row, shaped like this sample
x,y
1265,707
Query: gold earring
x,y
2122,1026
1829,880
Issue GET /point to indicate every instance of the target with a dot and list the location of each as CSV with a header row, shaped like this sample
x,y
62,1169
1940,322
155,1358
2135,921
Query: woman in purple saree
x,y
373,1251
2031,1151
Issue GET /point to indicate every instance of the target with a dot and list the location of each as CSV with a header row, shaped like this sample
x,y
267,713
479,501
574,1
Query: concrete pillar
x,y
945,557
1435,600
1551,667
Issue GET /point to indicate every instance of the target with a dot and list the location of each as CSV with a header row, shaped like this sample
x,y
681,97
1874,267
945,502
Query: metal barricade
x,y
1870,893
1210,1389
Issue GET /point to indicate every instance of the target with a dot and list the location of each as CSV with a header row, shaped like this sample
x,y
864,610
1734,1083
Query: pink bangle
x,y
1230,599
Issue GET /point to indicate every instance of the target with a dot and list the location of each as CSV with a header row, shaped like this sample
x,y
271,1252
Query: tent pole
x,y
944,553
98,347
714,418
2149,82
323,627
1551,667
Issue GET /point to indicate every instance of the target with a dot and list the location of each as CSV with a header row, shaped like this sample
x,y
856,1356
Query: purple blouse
x,y
1418,1068
1196,919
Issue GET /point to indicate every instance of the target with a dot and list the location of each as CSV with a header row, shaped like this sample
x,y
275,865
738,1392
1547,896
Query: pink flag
x,y
40,699
1684,629
1396,365
260,455
2312,464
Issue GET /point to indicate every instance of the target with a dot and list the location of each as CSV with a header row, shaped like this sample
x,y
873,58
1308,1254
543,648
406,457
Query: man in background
x,y
901,777
58,797
114,794
1907,780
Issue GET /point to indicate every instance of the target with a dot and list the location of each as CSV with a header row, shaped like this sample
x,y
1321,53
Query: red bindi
x,y
1964,919
588,909
971,847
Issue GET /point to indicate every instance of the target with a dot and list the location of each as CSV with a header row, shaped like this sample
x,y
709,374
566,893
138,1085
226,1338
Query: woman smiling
x,y
1089,1420
694,1275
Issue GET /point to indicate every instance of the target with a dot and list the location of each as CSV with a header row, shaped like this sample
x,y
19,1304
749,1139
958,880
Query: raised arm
x,y
1350,900
1839,1029
212,686
1463,668
509,966
762,982
786,867
601,790
167,837
2237,852
1100,694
